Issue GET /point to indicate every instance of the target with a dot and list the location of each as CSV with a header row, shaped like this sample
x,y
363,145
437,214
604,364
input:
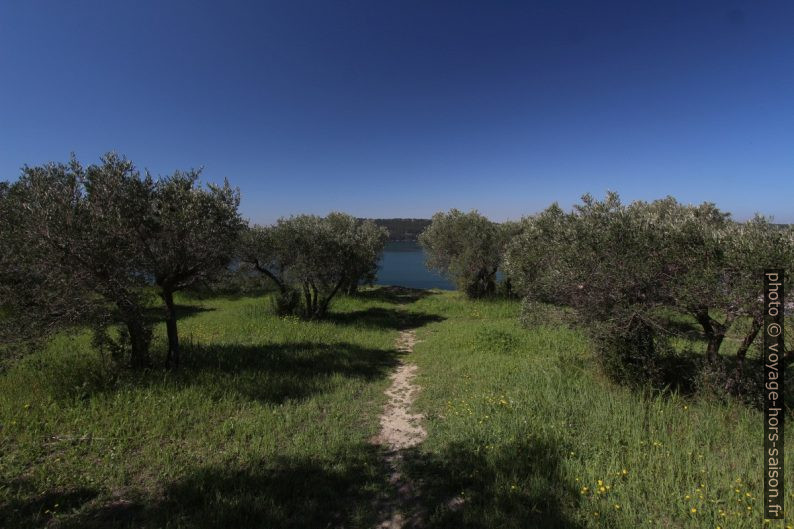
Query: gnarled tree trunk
x,y
139,334
172,358
749,338
714,331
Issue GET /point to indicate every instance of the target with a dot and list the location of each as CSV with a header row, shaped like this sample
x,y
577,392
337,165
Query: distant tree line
x,y
402,230
92,246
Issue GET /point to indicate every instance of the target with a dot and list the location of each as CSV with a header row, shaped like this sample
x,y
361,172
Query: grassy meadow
x,y
269,423
523,428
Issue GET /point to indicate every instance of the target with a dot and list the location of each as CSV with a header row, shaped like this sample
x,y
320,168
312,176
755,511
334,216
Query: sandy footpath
x,y
400,430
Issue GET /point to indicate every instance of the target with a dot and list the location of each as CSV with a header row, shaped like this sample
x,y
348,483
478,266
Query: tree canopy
x,y
312,258
70,251
466,248
189,233
82,244
622,266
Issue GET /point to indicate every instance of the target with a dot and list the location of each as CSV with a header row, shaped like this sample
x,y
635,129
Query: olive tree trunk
x,y
139,333
749,338
714,331
172,358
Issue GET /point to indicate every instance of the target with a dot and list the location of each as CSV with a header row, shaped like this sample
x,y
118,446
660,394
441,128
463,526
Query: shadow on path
x,y
462,487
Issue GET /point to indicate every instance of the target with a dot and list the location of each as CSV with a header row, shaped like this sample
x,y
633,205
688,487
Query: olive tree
x,y
751,247
266,250
366,244
719,269
466,248
70,255
83,246
714,267
617,265
188,234
311,258
533,258
607,261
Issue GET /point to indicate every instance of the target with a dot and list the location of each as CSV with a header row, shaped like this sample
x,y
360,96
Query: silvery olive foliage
x,y
623,267
189,234
311,259
466,248
84,245
70,255
368,241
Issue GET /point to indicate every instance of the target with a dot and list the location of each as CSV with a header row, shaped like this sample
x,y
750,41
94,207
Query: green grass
x,y
525,430
268,424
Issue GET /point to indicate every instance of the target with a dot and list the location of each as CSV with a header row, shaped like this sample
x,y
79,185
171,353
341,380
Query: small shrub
x,y
720,380
630,355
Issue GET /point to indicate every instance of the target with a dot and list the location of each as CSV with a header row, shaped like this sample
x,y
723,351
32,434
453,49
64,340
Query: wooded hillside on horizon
x,y
403,230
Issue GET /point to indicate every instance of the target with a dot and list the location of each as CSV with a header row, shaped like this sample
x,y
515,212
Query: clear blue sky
x,y
403,108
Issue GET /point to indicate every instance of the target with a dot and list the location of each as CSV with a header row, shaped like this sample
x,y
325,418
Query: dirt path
x,y
400,429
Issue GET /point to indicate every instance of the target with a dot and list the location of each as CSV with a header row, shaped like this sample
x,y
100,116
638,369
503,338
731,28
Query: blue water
x,y
403,264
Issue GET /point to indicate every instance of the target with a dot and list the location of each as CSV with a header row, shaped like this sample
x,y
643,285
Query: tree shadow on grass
x,y
322,491
512,485
394,294
156,313
273,372
29,508
279,372
380,318
342,490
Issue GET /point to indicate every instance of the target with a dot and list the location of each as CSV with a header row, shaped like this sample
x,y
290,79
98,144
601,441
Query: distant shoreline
x,y
402,229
